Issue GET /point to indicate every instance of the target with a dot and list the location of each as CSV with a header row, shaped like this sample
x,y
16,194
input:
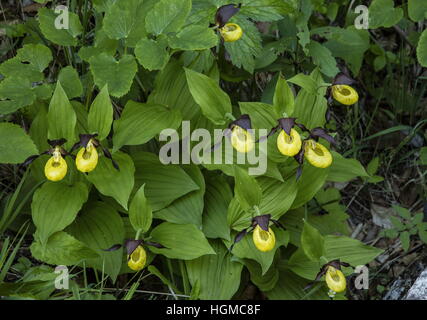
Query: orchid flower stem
x,y
137,234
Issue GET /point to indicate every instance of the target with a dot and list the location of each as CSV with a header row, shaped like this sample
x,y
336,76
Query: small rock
x,y
418,291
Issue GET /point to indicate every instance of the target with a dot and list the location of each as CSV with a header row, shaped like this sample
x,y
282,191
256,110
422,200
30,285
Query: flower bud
x,y
231,32
87,158
241,140
264,240
345,94
317,154
289,145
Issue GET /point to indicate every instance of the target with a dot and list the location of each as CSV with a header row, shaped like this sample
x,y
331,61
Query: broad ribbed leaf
x,y
112,182
217,198
70,81
246,189
189,208
214,102
140,212
182,241
100,227
62,249
140,122
15,93
55,205
61,117
163,183
422,49
100,115
312,242
343,169
218,275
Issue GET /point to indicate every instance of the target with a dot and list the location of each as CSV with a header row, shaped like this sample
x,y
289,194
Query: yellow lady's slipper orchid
x,y
289,145
317,154
335,279
231,32
242,140
87,158
56,167
345,94
137,259
264,240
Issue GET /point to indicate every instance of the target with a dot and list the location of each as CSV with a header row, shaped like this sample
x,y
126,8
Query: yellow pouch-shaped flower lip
x,y
87,158
345,94
137,259
241,139
264,240
55,168
335,279
231,32
289,145
317,154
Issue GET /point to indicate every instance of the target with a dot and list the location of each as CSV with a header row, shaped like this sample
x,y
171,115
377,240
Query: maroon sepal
x,y
113,248
155,244
287,124
244,121
342,78
319,132
132,244
238,237
224,13
57,142
263,221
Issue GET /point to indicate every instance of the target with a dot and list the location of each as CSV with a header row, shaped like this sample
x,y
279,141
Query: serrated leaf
x,y
382,13
15,144
112,182
29,62
140,122
140,212
121,18
405,240
55,206
63,37
15,93
152,54
100,115
194,37
265,10
323,58
417,10
244,51
117,74
167,16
